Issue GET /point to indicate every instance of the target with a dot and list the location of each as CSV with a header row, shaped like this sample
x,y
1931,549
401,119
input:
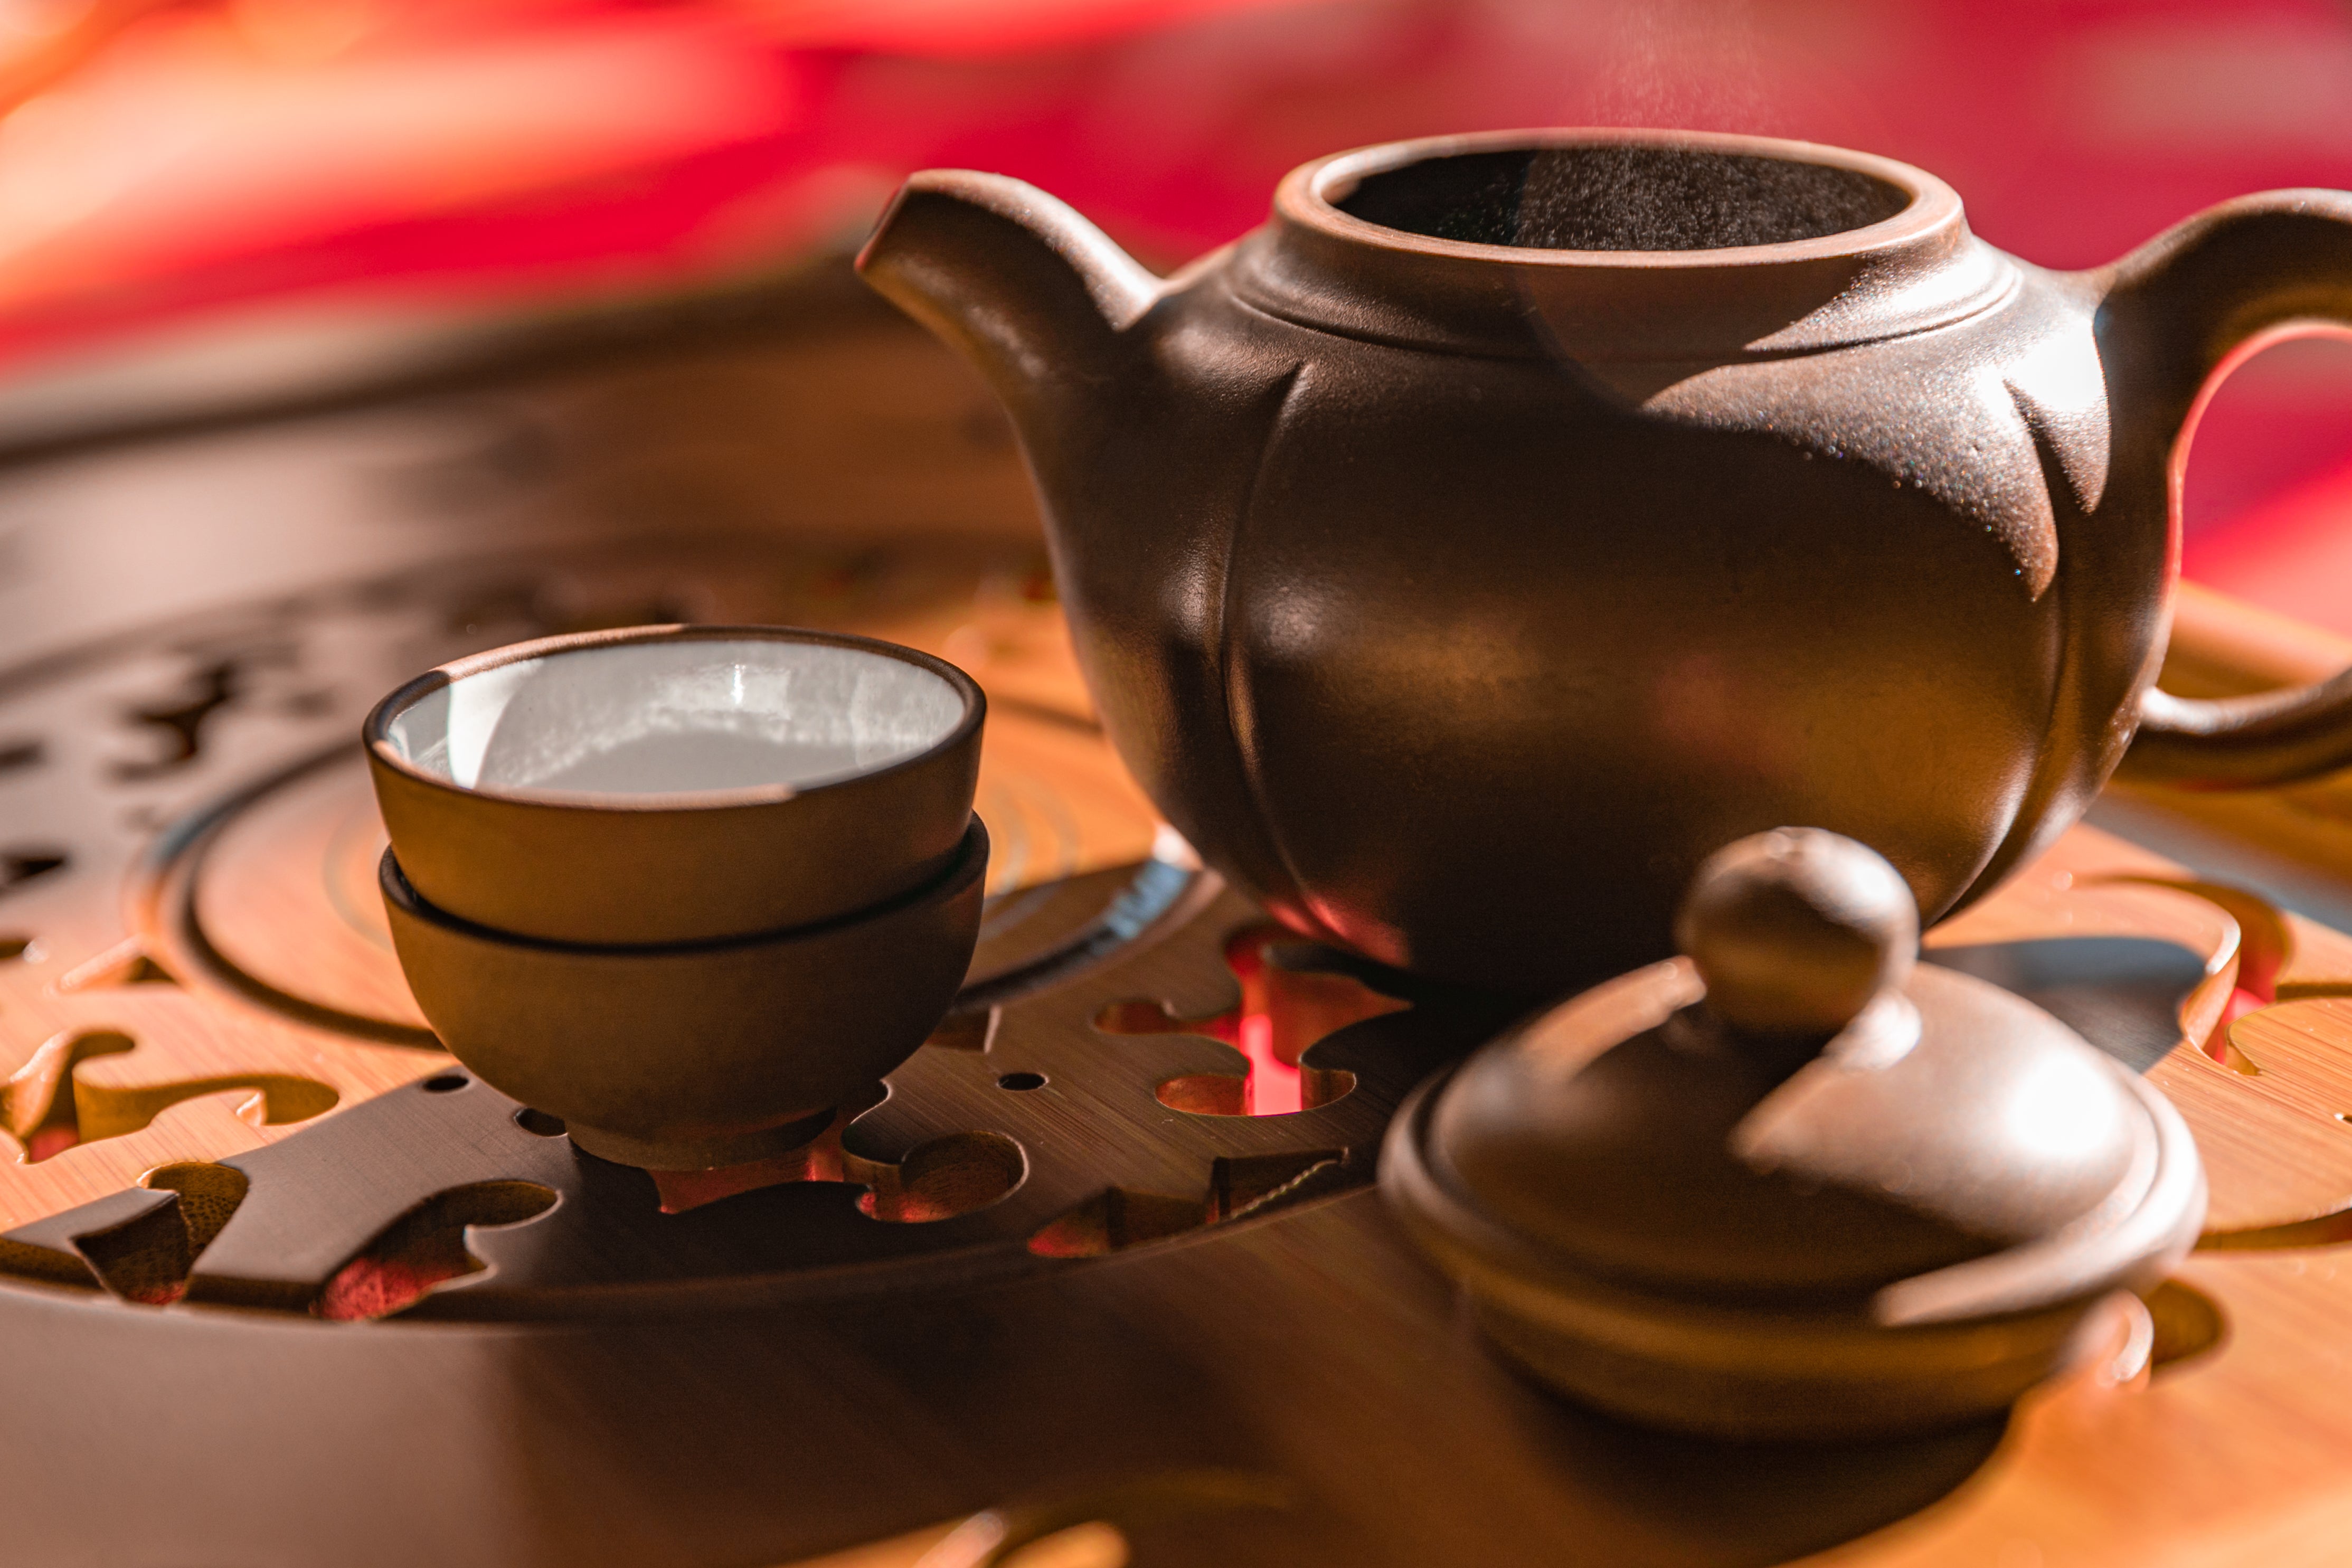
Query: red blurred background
x,y
166,159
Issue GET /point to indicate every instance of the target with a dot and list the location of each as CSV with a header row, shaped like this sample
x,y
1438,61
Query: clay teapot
x,y
1512,519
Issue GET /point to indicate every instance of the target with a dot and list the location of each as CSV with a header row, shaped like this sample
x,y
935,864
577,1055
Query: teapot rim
x,y
1310,195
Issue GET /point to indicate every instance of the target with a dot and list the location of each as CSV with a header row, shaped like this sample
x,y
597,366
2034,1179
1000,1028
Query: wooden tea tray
x,y
280,1285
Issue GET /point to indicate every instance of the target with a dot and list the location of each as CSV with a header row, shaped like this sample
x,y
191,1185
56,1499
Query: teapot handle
x,y
2179,312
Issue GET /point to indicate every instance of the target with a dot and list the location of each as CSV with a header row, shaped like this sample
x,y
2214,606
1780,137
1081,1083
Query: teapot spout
x,y
1030,292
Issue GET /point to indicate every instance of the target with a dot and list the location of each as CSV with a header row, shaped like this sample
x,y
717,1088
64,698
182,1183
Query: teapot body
x,y
1457,599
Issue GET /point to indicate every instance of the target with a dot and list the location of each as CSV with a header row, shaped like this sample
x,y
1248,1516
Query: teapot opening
x,y
1621,197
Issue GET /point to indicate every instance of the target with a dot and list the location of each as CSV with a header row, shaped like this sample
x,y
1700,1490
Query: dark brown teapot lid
x,y
1797,1110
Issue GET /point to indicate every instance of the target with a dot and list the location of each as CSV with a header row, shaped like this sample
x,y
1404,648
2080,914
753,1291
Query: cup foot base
x,y
702,1153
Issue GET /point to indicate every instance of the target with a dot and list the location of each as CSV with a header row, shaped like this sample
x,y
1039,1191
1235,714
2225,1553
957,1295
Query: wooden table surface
x,y
196,971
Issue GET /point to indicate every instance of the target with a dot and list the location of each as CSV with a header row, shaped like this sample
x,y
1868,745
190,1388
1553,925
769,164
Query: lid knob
x,y
1795,930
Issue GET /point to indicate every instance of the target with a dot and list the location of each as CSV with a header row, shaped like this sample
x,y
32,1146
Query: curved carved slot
x,y
965,1031
181,722
39,1096
1242,1185
1205,1094
818,1160
943,1178
149,1259
2132,998
1221,1094
23,1260
2266,945
278,1099
18,867
49,1110
2322,1230
18,947
2265,942
2187,1322
1136,1016
144,971
125,963
1119,1217
1115,1219
145,1261
425,1247
949,1175
1291,998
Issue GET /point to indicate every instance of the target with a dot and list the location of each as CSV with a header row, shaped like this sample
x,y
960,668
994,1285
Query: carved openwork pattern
x,y
174,1064
199,1016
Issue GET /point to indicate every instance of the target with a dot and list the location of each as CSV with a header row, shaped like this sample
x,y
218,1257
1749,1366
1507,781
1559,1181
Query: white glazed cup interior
x,y
750,717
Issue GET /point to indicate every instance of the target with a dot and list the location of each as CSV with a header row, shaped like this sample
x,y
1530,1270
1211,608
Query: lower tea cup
x,y
692,1054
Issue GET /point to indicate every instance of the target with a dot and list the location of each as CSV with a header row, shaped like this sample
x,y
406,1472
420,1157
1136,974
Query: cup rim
x,y
969,861
1308,195
375,733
